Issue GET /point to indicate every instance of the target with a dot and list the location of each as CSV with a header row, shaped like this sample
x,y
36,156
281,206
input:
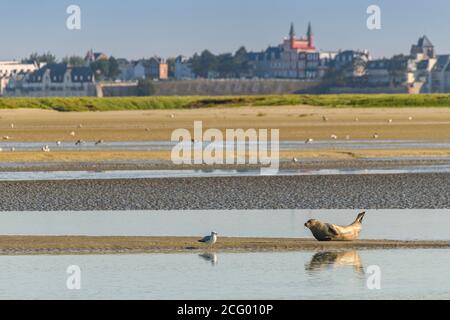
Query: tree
x,y
113,68
40,58
74,60
241,65
145,88
101,69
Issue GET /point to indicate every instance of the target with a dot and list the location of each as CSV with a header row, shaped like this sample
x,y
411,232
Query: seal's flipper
x,y
332,230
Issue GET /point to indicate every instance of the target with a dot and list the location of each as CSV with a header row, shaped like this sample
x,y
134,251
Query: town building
x,y
183,69
92,56
10,70
58,80
295,58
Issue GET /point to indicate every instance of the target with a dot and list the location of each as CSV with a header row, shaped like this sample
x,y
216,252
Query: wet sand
x,y
27,245
382,191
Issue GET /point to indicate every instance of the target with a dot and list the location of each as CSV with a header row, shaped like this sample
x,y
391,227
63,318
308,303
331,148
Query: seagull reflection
x,y
209,256
335,259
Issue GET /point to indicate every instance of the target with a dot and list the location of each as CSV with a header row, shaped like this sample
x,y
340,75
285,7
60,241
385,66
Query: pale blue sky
x,y
138,28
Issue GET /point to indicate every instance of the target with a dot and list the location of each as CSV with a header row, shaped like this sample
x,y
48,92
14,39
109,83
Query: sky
x,y
142,28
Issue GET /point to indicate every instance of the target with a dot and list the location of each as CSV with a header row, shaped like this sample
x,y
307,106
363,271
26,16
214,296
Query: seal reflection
x,y
326,260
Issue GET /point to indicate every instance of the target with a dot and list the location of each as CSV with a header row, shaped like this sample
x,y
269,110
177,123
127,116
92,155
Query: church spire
x,y
292,31
309,35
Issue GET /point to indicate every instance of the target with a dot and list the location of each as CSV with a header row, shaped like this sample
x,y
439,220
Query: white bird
x,y
309,140
210,240
80,126
334,137
58,143
294,160
1,150
99,142
46,148
72,133
390,121
376,136
6,138
13,149
410,118
12,125
172,116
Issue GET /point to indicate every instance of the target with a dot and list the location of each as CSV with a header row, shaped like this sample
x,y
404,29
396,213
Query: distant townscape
x,y
294,66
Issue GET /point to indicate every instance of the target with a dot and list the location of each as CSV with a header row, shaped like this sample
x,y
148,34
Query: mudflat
x,y
117,245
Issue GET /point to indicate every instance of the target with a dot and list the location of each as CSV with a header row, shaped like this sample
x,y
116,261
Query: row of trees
x,y
104,69
226,65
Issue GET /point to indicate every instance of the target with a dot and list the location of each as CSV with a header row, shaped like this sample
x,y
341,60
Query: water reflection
x,y
326,260
209,257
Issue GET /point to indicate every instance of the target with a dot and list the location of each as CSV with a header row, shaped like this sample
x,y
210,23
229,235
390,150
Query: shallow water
x,y
405,274
378,224
284,145
157,174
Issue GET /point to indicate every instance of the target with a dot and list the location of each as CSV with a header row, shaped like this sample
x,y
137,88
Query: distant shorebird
x,y
6,137
309,140
58,143
294,160
80,126
390,121
410,118
99,142
13,149
12,125
72,133
172,116
209,240
334,137
376,136
46,148
79,142
324,118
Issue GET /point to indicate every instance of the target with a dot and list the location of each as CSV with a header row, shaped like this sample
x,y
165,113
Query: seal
x,y
331,232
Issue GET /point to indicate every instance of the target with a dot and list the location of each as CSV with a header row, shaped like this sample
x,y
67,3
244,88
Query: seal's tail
x,y
360,217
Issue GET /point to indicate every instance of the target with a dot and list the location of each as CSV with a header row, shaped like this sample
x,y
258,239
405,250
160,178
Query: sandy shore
x,y
294,122
118,245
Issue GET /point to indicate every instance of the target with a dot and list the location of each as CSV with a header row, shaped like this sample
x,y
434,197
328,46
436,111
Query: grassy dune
x,y
193,102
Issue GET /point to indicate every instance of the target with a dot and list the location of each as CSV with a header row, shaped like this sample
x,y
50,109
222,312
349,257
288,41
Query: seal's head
x,y
312,222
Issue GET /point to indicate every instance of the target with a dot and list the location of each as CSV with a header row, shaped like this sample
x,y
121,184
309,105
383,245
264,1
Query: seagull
x,y
72,133
309,140
210,240
172,116
13,149
294,160
6,138
79,142
58,143
1,150
99,142
46,148
390,121
12,125
334,137
376,136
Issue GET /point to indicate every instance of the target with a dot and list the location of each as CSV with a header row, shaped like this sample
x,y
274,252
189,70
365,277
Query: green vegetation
x,y
155,102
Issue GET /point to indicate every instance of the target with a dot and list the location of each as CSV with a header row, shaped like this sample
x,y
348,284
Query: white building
x,y
9,70
183,70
